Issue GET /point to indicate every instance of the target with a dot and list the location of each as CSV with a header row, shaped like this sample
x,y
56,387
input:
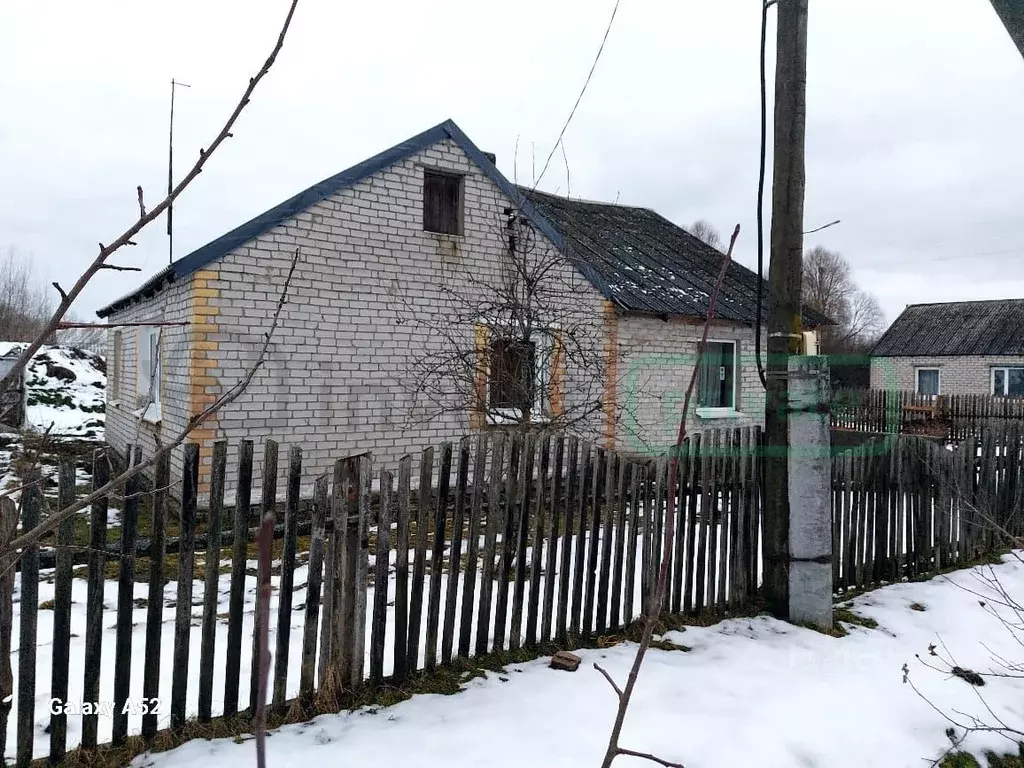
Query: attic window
x,y
442,203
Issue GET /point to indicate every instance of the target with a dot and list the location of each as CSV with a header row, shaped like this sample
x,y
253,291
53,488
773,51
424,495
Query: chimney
x,y
492,157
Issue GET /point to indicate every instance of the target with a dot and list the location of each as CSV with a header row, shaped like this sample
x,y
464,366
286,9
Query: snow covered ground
x,y
750,692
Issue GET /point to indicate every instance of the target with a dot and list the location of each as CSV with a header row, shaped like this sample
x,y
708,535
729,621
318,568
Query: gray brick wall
x,y
957,375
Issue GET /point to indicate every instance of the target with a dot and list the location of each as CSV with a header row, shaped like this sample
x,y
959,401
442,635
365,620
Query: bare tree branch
x,y
126,237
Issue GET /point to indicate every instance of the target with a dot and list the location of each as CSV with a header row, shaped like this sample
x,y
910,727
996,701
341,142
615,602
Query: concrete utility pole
x,y
784,276
1012,14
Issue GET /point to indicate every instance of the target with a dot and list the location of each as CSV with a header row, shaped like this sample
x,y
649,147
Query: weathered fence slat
x,y
658,544
382,552
236,598
210,591
455,555
125,606
361,555
419,562
314,582
565,570
31,507
537,550
94,598
437,556
401,663
693,480
580,515
473,545
186,571
62,611
551,561
268,505
629,580
704,525
286,584
593,515
621,500
606,520
508,531
522,540
493,523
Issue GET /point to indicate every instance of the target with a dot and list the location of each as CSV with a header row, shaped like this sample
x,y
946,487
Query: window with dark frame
x,y
442,195
928,381
717,379
511,381
1008,381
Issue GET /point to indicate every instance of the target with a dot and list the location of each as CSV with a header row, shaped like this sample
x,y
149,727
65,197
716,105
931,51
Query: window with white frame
x,y
718,379
928,381
149,368
1008,381
519,376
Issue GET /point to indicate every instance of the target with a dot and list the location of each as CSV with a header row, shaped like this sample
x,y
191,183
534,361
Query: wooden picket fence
x,y
906,506
494,543
954,417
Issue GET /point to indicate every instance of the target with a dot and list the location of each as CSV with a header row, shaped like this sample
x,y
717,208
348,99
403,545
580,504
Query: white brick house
x,y
392,235
956,348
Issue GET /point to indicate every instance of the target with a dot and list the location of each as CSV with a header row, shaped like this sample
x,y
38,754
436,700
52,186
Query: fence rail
x,y
955,417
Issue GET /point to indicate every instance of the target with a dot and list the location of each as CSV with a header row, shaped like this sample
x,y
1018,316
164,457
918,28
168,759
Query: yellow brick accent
x,y
206,293
203,387
476,415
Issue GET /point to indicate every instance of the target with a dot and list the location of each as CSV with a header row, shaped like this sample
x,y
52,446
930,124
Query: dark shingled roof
x,y
956,328
645,263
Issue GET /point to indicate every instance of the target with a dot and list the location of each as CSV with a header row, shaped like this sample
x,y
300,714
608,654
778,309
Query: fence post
x,y
810,528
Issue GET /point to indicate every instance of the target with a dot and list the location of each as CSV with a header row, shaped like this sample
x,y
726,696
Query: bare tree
x,y
703,230
511,344
656,600
829,287
25,303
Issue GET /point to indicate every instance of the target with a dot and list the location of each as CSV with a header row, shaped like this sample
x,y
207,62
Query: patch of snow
x,y
65,392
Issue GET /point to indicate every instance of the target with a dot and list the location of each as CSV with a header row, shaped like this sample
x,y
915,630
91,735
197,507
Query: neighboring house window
x,y
928,381
519,376
718,379
442,198
115,366
1008,382
150,369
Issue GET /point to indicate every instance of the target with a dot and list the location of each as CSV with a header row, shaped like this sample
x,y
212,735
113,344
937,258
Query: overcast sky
x,y
915,113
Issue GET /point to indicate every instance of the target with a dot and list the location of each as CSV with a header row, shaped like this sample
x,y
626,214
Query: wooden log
x,y
401,650
94,599
455,557
437,557
236,598
419,562
579,513
565,570
554,515
537,543
31,506
286,584
62,579
508,531
208,638
186,573
619,508
314,582
495,521
473,545
382,553
268,506
126,605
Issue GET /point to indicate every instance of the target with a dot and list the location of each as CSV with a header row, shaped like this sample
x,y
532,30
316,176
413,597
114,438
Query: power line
x,y
579,98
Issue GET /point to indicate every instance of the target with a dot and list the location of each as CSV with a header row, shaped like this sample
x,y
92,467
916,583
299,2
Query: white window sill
x,y
718,413
151,414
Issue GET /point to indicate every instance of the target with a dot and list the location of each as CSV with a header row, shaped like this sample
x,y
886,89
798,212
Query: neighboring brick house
x,y
384,236
957,348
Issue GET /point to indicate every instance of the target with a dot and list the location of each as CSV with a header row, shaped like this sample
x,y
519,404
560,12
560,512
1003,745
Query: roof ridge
x,y
963,301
